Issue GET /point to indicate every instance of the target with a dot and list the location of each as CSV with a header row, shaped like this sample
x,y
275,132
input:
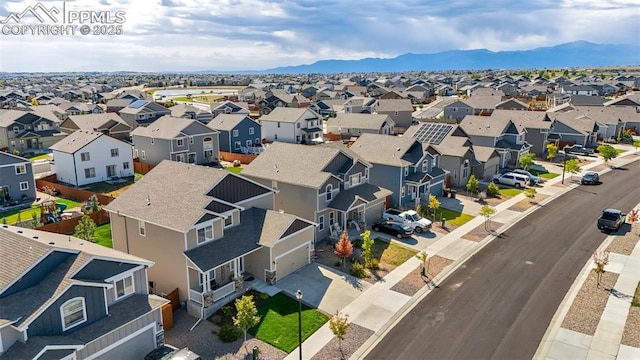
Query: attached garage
x,y
291,261
134,348
374,212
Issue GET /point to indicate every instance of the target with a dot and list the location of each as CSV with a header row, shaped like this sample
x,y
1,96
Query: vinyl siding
x,y
257,262
387,177
9,178
155,153
139,281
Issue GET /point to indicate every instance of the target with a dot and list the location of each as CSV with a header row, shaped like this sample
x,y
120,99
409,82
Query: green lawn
x,y
620,151
391,253
103,235
40,157
636,297
11,217
508,191
453,217
103,187
235,170
279,322
548,175
137,177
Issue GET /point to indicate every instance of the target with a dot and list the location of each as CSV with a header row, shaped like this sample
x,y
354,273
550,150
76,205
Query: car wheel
x,y
518,186
376,228
496,181
399,235
418,229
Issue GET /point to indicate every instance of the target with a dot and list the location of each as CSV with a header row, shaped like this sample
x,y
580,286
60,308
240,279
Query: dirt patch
x,y
586,309
624,244
631,334
414,281
480,232
599,168
356,336
526,203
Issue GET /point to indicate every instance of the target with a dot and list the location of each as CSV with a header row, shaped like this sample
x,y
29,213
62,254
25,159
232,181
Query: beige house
x,y
207,229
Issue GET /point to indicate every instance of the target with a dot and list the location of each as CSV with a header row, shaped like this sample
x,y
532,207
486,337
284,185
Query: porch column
x,y
206,286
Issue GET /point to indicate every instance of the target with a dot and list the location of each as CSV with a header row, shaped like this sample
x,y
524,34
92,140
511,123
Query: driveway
x,y
323,288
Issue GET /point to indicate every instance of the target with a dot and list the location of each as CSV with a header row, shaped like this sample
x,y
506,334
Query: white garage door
x,y
135,348
288,263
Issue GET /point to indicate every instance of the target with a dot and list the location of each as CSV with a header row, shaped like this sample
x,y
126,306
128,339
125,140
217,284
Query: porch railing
x,y
223,291
195,295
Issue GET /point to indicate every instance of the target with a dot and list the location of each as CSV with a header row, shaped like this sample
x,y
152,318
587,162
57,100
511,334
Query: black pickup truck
x,y
611,220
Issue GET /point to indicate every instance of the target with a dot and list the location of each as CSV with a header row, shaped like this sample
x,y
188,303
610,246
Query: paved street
x,y
499,304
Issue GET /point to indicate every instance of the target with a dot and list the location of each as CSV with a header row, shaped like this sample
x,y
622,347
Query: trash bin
x,y
453,194
254,354
445,192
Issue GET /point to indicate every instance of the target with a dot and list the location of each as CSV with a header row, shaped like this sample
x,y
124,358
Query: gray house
x,y
28,130
16,179
399,110
177,139
108,123
238,133
403,165
142,113
327,184
572,128
350,124
191,112
66,298
457,110
537,126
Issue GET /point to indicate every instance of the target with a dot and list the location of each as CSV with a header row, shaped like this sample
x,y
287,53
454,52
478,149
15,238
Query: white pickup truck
x,y
409,217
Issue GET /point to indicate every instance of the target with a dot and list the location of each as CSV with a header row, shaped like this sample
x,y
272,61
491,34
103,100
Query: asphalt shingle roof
x,y
385,149
359,121
289,115
76,141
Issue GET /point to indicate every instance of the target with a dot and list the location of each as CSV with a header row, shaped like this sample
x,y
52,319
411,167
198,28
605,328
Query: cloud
x,y
181,35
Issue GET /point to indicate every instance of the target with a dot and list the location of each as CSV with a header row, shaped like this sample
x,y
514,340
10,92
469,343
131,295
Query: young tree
x,y
530,193
607,152
473,185
339,324
344,247
487,211
86,229
434,204
573,167
636,145
367,244
527,160
493,189
552,150
422,256
600,259
247,316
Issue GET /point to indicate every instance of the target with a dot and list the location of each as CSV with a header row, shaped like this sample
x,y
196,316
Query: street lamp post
x,y
564,163
299,297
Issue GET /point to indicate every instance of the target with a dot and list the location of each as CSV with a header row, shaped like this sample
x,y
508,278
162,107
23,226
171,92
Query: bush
x,y
375,264
229,333
357,270
492,189
357,243
227,311
263,296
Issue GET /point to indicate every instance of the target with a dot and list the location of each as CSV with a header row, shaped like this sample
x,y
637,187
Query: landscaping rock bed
x,y
325,256
356,336
631,334
624,244
479,233
586,309
414,281
526,203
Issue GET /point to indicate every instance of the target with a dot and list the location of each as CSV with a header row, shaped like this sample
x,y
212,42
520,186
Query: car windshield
x,y
406,227
609,216
413,217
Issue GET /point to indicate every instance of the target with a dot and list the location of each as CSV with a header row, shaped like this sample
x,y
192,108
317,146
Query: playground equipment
x,y
49,211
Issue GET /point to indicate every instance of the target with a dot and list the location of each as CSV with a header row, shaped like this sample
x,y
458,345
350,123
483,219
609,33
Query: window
x,y
73,313
24,185
278,123
298,125
228,221
21,169
329,194
355,179
251,130
406,171
115,152
125,165
235,133
85,156
90,173
144,156
16,129
402,191
332,218
190,139
207,146
275,136
236,145
248,143
124,287
321,222
425,166
181,142
141,228
205,234
366,173
465,169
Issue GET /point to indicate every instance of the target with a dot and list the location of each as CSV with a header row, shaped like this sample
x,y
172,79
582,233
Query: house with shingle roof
x,y
403,165
86,157
177,139
66,298
207,229
511,104
399,110
27,131
230,107
537,125
80,108
142,113
238,133
188,111
292,125
327,184
107,123
350,124
16,179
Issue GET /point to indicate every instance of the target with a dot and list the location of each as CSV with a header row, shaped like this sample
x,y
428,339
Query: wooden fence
x,y
68,226
72,193
243,158
174,297
141,167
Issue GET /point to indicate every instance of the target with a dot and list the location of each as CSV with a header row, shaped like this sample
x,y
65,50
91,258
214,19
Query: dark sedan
x,y
394,228
590,178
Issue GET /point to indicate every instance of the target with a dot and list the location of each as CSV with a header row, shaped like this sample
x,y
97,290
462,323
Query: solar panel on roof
x,y
138,104
432,133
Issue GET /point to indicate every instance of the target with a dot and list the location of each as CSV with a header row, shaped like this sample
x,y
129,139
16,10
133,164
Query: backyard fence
x,y
243,158
69,192
141,167
68,226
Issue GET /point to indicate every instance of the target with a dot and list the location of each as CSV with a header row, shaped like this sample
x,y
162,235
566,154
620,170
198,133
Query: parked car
x,y
533,180
169,352
409,217
611,220
578,149
560,156
512,179
394,228
590,178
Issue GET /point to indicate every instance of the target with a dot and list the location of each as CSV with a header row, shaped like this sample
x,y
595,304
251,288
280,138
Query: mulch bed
x,y
326,257
526,203
413,282
586,310
356,336
479,233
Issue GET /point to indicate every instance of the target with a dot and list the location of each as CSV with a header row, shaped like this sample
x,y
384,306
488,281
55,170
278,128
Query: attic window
x,y
73,313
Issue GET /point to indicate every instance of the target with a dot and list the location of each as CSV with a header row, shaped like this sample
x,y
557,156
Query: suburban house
x,y
403,165
292,125
28,130
573,128
87,157
206,229
16,179
188,111
500,133
327,184
359,104
350,124
238,133
512,104
108,123
142,113
75,108
115,105
66,298
229,107
537,126
177,139
328,108
457,110
399,110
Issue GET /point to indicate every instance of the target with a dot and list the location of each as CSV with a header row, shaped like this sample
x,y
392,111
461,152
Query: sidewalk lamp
x,y
299,297
564,163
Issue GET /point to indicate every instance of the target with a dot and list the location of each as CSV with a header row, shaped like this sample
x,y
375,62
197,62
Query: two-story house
x,y
399,110
229,107
402,165
87,157
350,124
16,179
28,131
142,113
66,298
188,111
457,110
108,123
359,104
206,229
537,126
292,125
177,139
327,184
238,133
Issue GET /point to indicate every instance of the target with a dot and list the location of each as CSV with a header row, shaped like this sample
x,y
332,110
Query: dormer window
x,y
180,142
73,313
205,234
329,194
124,287
228,221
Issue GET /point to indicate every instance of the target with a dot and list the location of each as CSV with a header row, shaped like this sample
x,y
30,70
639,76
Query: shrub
x,y
357,270
492,189
375,264
227,311
263,296
229,333
357,243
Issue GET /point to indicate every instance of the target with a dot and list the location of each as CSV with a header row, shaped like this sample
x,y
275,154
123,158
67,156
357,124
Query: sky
x,y
234,35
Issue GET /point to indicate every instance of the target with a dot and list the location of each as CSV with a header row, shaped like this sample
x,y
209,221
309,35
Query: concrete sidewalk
x,y
378,307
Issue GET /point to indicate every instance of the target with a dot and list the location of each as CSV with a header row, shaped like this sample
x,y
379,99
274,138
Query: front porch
x,y
211,290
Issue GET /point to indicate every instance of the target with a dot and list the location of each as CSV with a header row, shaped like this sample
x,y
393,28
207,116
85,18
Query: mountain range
x,y
573,54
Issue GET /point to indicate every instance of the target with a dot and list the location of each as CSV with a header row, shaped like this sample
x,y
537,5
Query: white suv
x,y
512,179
